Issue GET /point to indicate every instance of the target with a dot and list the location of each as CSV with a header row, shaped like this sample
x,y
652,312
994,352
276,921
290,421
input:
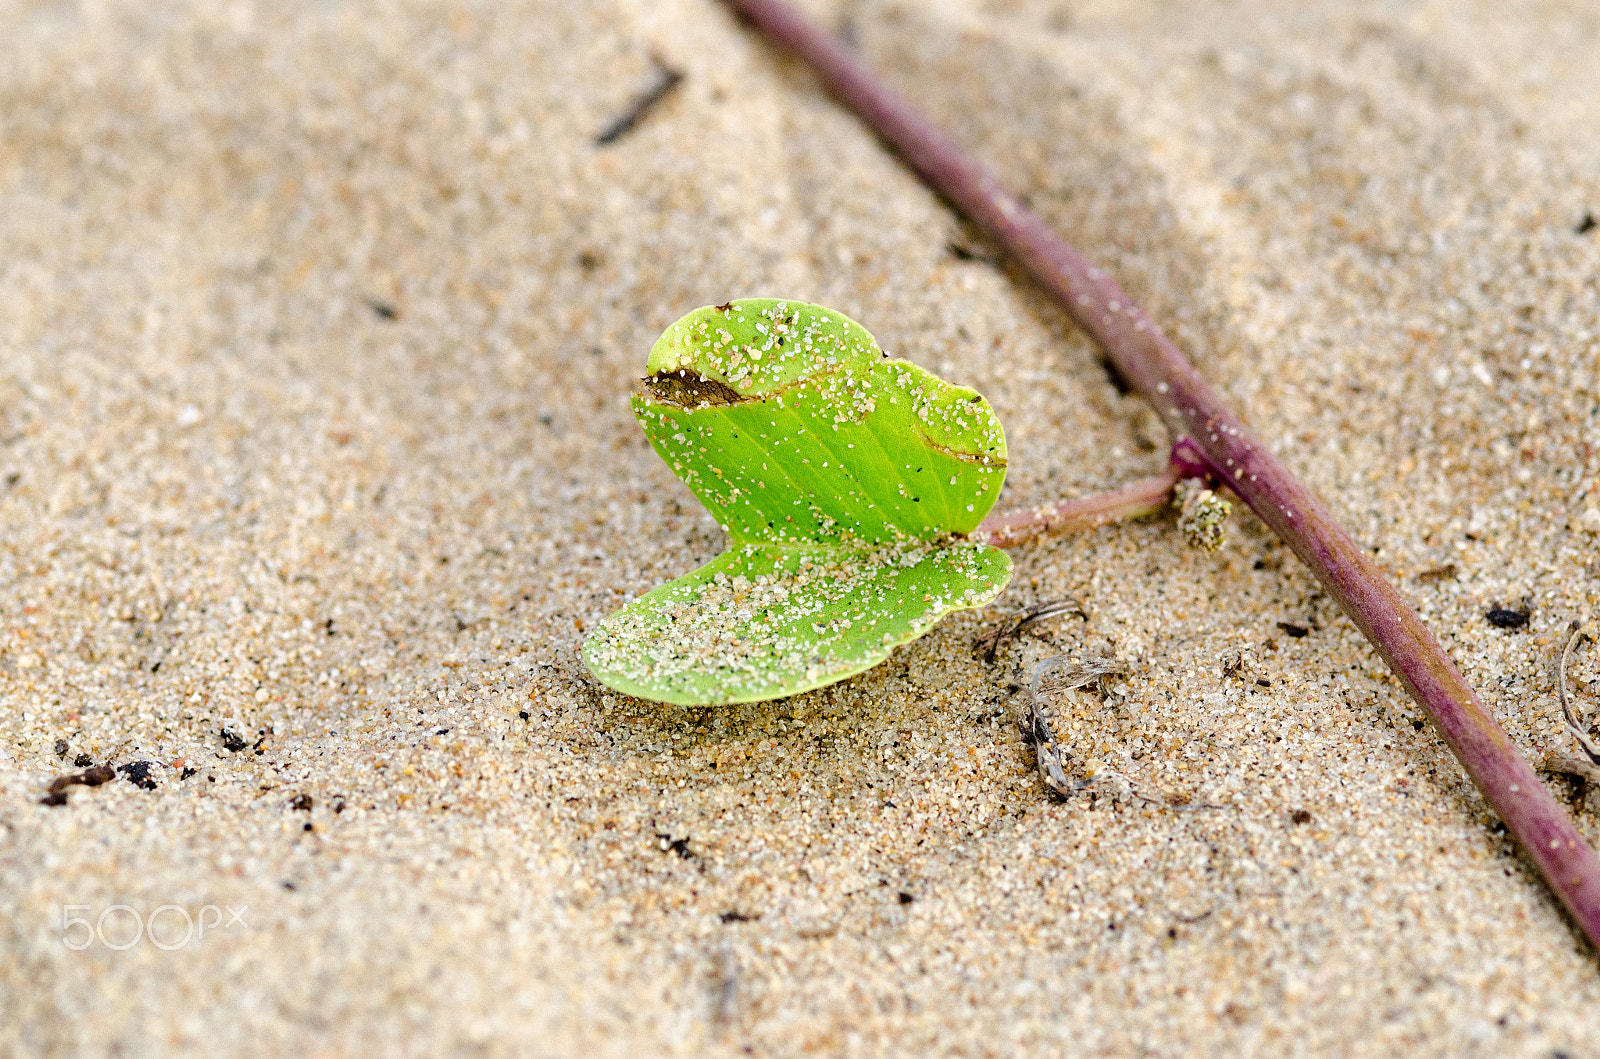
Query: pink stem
x,y
1144,497
1150,363
1011,528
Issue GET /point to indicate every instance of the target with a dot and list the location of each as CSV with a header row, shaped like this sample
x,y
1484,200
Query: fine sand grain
x,y
317,329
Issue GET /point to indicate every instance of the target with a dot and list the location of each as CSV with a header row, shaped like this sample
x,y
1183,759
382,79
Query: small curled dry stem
x,y
988,645
1587,767
1579,730
1060,674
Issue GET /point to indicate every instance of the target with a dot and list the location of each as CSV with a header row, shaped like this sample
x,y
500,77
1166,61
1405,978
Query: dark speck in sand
x,y
1501,618
680,846
138,774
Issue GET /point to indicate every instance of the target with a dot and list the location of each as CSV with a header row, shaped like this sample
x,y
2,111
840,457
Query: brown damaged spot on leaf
x,y
686,389
983,459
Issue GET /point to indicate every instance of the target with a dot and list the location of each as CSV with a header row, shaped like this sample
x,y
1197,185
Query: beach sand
x,y
317,330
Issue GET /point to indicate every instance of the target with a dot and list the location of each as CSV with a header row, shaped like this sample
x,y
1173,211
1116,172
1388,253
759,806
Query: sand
x,y
317,327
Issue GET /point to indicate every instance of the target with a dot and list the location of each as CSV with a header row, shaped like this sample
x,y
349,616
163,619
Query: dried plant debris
x,y
1506,618
1587,772
1438,573
1203,514
90,777
987,646
666,80
846,482
1235,661
1048,753
1055,676
1586,767
1060,673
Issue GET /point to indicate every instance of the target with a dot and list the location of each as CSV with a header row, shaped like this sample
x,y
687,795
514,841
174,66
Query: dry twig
x,y
988,645
1586,768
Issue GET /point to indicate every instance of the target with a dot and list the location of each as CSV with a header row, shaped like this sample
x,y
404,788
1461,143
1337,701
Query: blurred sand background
x,y
317,324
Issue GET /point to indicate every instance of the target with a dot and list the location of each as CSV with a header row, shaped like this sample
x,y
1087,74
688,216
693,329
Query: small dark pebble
x,y
522,714
1300,816
138,774
1418,724
383,310
680,846
905,898
1264,683
186,773
1586,225
61,748
232,741
738,917
302,802
1501,618
1292,629
83,761
442,731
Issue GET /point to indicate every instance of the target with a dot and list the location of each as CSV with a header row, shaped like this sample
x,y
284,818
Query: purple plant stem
x,y
1150,363
1145,497
1011,528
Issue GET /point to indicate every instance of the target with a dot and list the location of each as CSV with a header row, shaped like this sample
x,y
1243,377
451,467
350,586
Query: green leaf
x,y
844,480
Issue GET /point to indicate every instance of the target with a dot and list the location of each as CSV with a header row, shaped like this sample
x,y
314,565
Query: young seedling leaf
x,y
845,481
